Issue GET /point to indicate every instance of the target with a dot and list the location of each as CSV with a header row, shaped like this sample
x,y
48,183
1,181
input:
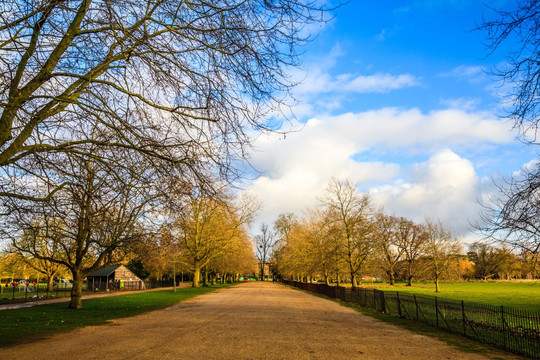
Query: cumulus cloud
x,y
390,129
443,184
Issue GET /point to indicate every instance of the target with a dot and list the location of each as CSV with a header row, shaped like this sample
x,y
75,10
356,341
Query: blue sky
x,y
397,97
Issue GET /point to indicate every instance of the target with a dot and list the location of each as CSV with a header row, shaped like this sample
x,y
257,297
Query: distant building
x,y
114,277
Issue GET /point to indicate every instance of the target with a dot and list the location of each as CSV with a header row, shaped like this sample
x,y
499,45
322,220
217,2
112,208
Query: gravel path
x,y
249,321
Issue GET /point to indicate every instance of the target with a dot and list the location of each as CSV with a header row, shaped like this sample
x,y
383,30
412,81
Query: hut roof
x,y
105,271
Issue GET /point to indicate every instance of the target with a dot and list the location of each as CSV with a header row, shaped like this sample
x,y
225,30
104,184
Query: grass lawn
x,y
517,295
28,324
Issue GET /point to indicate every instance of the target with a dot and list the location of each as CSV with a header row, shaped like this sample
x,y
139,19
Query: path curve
x,y
249,321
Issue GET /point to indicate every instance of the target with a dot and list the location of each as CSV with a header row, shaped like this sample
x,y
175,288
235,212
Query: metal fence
x,y
510,329
34,292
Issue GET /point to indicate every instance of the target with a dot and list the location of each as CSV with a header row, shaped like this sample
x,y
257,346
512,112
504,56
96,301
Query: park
x,y
269,179
251,320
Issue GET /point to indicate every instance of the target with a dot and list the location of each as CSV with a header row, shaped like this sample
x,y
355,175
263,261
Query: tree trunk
x,y
205,281
50,283
354,281
391,277
338,280
409,280
196,275
436,283
76,290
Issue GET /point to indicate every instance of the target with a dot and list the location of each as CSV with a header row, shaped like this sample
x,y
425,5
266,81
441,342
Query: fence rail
x,y
510,329
33,292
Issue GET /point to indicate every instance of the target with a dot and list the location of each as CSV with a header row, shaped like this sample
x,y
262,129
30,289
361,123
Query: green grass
x,y
517,295
30,324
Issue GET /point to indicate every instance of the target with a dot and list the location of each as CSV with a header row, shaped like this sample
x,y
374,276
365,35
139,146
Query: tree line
x,y
196,231
347,239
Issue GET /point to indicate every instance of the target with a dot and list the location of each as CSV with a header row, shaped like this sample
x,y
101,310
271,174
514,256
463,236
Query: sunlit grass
x,y
27,324
519,295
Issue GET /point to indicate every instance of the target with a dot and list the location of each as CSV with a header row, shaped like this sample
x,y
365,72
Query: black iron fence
x,y
514,330
24,292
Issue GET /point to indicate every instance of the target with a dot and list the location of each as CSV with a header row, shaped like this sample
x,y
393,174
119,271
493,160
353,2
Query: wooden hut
x,y
114,277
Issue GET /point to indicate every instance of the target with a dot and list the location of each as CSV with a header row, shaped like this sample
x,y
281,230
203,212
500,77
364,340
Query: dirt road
x,y
249,321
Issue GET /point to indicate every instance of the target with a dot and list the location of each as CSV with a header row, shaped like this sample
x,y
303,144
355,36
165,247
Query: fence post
x,y
503,326
463,318
398,304
383,301
416,306
437,311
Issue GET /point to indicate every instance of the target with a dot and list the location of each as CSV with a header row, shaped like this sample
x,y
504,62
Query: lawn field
x,y
28,324
518,295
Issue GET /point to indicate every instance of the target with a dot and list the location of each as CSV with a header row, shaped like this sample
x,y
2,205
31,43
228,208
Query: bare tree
x,y
45,242
517,28
488,260
412,241
441,248
531,262
173,80
388,244
513,215
264,243
207,224
90,219
353,215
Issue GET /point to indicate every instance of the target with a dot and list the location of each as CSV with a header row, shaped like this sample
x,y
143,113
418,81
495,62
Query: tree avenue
x,y
346,239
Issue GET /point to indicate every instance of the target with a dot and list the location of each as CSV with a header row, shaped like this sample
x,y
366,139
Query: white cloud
x,y
445,186
319,81
472,74
379,83
461,103
528,167
354,145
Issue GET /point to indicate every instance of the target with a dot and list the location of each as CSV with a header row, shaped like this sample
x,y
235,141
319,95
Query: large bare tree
x,y
514,29
353,216
511,216
388,245
176,87
96,214
412,242
441,248
182,81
